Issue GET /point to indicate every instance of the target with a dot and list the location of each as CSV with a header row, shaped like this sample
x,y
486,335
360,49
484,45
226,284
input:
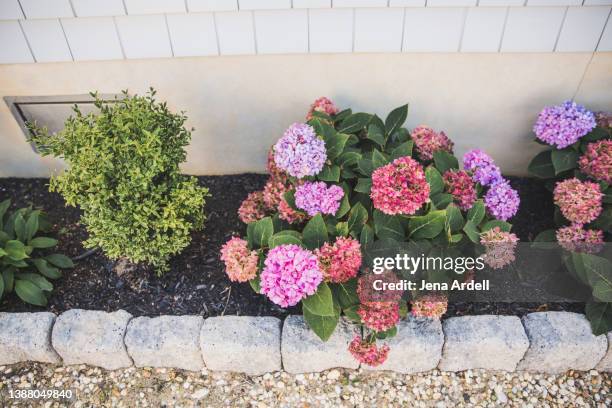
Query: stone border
x,y
551,342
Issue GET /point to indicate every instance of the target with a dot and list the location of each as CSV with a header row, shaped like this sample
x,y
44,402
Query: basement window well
x,y
51,111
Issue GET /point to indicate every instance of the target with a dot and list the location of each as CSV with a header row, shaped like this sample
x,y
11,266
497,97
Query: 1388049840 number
x,y
38,394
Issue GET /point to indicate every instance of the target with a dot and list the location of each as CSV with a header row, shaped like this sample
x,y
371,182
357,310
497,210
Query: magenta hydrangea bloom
x,y
502,201
427,141
316,197
324,105
597,161
484,170
300,152
460,185
400,187
562,125
290,274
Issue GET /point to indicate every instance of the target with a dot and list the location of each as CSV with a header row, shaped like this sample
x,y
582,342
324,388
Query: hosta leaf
x,y
20,228
45,269
43,242
30,293
8,277
61,261
15,250
38,280
31,227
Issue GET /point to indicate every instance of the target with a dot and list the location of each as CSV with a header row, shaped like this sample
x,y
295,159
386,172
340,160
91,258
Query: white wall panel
x,y
46,8
212,5
281,31
378,29
10,10
92,8
14,48
193,34
582,29
532,29
433,29
311,3
154,6
483,29
92,38
331,30
144,36
236,33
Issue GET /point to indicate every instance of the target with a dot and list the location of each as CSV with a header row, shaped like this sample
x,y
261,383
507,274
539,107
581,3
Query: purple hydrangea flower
x,y
502,201
562,125
300,152
316,197
290,274
484,170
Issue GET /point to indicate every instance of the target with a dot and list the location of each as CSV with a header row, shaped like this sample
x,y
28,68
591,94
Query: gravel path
x,y
335,388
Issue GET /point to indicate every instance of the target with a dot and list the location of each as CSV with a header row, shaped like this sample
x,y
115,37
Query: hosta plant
x,y
123,172
347,187
27,260
578,167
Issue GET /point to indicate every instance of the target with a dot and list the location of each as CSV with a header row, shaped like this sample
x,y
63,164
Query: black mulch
x,y
196,283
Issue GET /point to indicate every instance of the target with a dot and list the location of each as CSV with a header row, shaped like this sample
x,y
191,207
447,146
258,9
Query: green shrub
x,y
20,255
123,172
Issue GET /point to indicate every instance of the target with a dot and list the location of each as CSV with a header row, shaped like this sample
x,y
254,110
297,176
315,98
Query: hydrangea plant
x,y
343,188
578,168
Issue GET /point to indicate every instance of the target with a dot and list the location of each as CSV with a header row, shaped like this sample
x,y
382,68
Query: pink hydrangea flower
x,y
460,185
431,306
427,141
367,292
240,262
316,197
499,247
273,192
368,353
597,160
324,105
290,274
579,201
577,239
399,187
252,208
274,171
341,261
604,119
379,316
286,213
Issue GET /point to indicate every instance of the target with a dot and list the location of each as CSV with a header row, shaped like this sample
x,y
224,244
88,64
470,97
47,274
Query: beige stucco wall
x,y
241,105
